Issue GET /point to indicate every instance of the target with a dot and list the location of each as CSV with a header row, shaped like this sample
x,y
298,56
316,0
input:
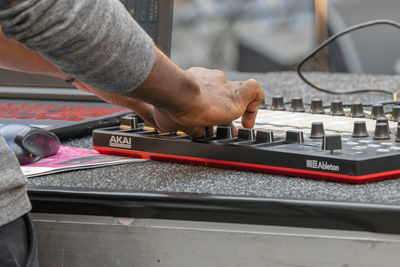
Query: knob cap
x,y
385,121
398,135
316,106
246,135
224,132
332,142
360,129
381,132
357,110
396,113
336,108
294,136
278,103
262,105
131,121
317,130
377,111
297,105
264,137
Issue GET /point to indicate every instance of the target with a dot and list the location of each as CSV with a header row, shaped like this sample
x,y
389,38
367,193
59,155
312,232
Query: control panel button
x,y
264,137
262,105
297,105
224,132
131,121
357,110
360,129
381,132
316,106
294,137
397,134
332,142
317,130
385,121
246,135
278,103
377,111
396,113
336,108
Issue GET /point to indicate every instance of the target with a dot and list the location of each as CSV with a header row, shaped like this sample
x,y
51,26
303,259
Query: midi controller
x,y
335,143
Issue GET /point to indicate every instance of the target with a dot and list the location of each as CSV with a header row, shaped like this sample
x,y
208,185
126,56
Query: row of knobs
x,y
329,142
356,111
382,130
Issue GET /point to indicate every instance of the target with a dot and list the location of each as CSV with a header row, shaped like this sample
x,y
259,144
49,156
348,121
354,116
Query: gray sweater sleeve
x,y
14,200
95,41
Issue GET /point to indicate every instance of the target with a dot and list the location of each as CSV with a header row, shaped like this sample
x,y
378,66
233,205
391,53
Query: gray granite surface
x,y
168,177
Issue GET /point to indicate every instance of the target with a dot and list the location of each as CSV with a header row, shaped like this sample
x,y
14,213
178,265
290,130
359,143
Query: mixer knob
x,y
357,110
262,105
360,129
316,106
385,121
398,135
396,113
332,142
317,130
246,135
131,121
336,108
278,103
224,132
377,111
381,132
264,137
294,136
297,105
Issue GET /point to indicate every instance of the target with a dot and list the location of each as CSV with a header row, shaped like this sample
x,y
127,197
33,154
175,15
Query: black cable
x,y
333,38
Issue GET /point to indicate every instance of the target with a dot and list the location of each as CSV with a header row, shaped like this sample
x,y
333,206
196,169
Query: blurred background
x,y
274,35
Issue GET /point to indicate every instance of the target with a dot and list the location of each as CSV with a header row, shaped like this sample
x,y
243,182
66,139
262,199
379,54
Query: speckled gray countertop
x,y
168,177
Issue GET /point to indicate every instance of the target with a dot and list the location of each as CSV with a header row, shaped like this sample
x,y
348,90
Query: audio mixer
x,y
352,145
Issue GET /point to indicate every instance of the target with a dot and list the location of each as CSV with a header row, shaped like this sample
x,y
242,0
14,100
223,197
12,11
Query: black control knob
x,y
336,108
377,111
297,105
385,121
398,135
357,110
264,137
294,136
316,106
396,113
360,129
332,142
224,132
381,132
278,103
262,105
317,130
246,135
131,121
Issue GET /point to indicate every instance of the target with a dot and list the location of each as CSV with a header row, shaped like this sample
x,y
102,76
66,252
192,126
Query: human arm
x,y
98,43
16,56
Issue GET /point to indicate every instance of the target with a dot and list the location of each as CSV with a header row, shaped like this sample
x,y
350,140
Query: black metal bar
x,y
218,208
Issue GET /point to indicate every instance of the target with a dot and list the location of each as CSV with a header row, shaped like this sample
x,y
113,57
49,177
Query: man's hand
x,y
192,100
219,102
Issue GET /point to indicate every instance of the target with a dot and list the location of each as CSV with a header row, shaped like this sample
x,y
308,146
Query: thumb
x,y
253,96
